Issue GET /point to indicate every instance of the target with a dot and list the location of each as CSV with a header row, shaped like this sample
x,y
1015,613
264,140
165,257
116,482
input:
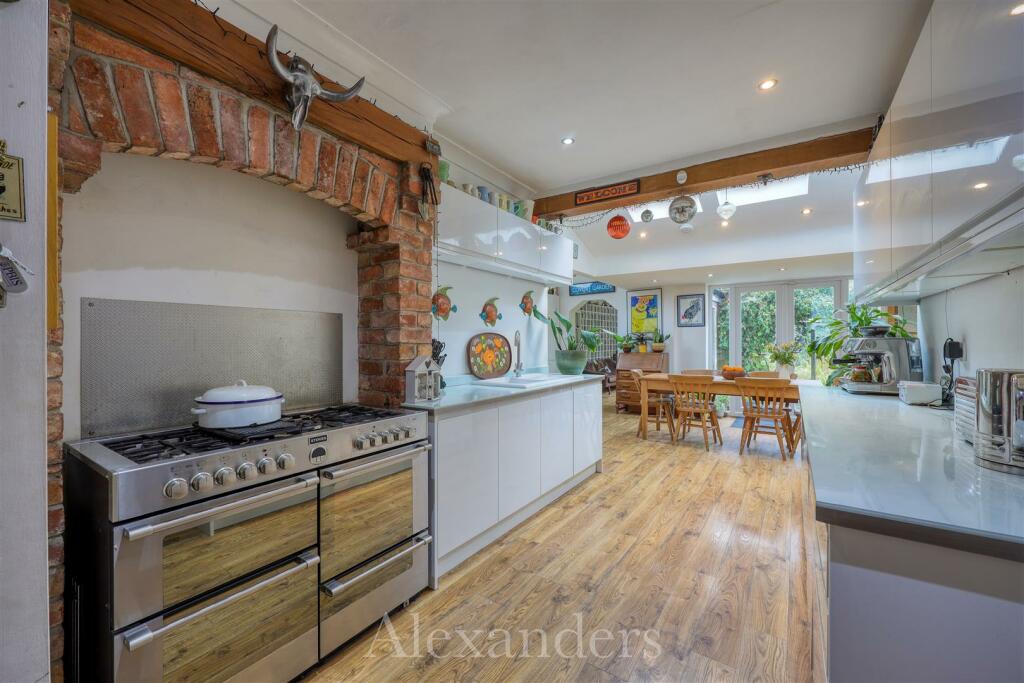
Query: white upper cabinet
x,y
872,217
978,108
475,233
466,223
519,241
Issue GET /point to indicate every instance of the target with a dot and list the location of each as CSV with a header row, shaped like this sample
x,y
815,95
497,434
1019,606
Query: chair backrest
x,y
694,392
763,373
635,375
762,396
698,371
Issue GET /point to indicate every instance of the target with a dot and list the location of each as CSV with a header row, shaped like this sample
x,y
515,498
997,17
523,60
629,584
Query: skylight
x,y
776,189
938,161
659,209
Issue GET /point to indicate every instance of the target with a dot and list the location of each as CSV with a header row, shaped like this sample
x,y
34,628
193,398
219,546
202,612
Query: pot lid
x,y
239,392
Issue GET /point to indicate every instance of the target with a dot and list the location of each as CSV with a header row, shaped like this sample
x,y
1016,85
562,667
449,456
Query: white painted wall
x,y
987,316
687,347
470,289
160,230
24,627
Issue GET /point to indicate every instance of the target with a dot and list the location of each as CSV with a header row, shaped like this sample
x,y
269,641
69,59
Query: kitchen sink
x,y
527,381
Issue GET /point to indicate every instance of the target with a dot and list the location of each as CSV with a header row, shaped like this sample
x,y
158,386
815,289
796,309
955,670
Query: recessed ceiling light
x,y
782,269
805,211
568,141
654,281
711,274
643,235
870,261
725,224
862,202
980,186
767,84
1017,11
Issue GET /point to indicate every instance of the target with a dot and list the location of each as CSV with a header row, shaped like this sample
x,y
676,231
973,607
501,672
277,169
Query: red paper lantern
x,y
618,227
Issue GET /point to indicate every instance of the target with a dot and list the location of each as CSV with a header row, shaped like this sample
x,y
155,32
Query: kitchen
x,y
383,384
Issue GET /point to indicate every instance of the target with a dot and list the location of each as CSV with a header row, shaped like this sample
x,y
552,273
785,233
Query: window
x,y
601,315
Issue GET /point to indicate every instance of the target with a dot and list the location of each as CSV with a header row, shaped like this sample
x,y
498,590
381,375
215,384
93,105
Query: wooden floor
x,y
704,559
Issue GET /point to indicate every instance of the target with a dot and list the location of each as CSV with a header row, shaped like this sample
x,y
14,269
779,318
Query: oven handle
x,y
335,587
143,635
135,532
343,472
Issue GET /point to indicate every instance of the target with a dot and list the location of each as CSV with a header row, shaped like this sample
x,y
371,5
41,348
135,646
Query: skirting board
x,y
443,565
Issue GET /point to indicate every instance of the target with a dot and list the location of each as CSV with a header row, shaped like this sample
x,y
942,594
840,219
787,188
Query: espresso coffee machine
x,y
880,364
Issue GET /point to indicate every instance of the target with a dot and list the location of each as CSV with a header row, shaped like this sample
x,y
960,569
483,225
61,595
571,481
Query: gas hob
x,y
159,469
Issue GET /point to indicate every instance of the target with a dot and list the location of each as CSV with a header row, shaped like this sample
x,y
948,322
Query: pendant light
x,y
726,209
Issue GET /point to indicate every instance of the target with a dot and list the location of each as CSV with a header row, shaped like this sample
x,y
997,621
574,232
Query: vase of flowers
x,y
784,356
571,356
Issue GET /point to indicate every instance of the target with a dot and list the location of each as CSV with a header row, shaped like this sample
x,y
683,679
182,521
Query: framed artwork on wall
x,y
644,310
690,310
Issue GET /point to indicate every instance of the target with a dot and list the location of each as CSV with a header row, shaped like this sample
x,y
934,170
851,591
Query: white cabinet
x,y
586,438
556,254
519,241
467,477
474,233
466,223
556,427
519,456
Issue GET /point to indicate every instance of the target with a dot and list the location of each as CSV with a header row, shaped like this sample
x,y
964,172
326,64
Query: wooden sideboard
x,y
626,396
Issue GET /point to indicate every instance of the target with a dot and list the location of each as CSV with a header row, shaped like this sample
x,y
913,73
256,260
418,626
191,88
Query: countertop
x,y
880,465
480,393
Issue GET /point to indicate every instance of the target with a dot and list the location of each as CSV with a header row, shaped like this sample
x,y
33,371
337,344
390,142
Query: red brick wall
x,y
113,96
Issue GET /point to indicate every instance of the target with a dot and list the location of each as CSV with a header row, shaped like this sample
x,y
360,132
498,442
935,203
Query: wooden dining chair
x,y
694,400
765,411
662,404
698,371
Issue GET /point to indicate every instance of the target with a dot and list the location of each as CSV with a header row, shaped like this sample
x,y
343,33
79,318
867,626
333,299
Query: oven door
x,y
165,560
368,506
263,629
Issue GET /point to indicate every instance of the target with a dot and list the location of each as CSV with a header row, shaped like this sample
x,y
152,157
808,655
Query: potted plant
x,y
845,324
571,356
784,356
640,339
658,341
624,342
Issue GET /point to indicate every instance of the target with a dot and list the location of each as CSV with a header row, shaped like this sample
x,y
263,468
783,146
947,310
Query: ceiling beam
x,y
820,154
192,35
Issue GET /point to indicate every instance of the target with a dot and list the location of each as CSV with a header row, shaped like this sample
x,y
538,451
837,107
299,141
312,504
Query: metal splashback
x,y
143,362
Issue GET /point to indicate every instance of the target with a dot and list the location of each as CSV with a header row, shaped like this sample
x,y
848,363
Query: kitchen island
x,y
925,547
503,452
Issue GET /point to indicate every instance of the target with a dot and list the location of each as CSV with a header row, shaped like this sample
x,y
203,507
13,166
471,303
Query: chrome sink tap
x,y
518,371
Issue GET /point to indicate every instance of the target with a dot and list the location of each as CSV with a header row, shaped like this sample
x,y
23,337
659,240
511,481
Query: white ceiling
x,y
639,84
768,231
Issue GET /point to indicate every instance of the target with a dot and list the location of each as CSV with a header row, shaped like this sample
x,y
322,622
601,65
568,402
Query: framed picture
x,y
690,310
644,310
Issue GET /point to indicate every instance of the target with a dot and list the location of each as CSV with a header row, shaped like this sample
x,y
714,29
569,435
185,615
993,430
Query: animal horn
x,y
343,96
274,59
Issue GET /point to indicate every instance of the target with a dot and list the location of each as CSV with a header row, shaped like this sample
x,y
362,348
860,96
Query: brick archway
x,y
112,95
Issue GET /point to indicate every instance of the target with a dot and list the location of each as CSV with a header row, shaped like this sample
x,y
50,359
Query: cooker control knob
x,y
385,437
225,476
267,466
407,432
176,488
374,438
361,443
285,461
202,482
247,471
396,434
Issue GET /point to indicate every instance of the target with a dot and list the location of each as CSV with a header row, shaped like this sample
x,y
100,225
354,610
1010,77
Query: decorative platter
x,y
488,355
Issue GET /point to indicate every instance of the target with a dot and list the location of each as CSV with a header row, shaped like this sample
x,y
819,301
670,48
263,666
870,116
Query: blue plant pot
x,y
571,362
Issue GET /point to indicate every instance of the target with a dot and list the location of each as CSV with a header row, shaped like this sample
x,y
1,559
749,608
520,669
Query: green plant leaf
x,y
539,316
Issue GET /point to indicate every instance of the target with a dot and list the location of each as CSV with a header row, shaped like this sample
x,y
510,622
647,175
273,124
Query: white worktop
x,y
874,456
482,392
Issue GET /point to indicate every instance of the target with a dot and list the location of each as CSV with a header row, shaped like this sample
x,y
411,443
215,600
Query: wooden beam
x,y
191,35
803,157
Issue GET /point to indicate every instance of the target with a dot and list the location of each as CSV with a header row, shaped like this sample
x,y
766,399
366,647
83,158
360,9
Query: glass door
x,y
810,301
757,324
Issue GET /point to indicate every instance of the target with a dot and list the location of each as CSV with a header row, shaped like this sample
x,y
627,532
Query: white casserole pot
x,y
239,405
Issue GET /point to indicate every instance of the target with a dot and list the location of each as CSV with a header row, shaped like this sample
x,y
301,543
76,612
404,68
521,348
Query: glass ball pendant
x,y
726,209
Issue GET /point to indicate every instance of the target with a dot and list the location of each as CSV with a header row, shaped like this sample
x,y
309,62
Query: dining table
x,y
657,382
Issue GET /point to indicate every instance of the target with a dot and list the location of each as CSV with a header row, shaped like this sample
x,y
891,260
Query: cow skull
x,y
304,86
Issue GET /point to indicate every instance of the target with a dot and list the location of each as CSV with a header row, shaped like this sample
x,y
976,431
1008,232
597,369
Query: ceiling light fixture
x,y
806,211
725,224
654,281
782,269
726,209
711,274
643,235
568,140
1017,11
862,202
767,84
980,186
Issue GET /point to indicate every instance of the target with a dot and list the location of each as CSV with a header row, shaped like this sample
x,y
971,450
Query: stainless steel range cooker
x,y
242,554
